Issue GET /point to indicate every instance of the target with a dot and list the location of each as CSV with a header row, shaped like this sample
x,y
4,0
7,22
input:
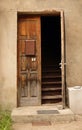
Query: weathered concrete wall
x,y
8,56
8,42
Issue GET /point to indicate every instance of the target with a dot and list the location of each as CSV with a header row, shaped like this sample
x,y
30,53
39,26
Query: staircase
x,y
51,84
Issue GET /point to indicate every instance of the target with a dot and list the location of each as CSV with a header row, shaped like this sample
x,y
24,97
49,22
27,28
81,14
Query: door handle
x,y
60,64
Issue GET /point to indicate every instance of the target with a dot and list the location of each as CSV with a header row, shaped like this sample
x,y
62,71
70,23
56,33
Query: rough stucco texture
x,y
8,42
8,59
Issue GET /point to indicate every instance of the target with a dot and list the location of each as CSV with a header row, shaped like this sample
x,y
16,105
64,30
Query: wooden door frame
x,y
61,14
63,57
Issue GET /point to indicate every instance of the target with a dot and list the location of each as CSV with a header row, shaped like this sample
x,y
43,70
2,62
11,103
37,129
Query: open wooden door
x,y
29,61
63,57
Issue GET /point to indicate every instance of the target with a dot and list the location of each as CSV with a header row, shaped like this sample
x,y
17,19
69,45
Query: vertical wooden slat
x,y
63,58
23,63
22,27
23,46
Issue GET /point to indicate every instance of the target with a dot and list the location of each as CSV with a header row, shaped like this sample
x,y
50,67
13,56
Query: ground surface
x,y
74,125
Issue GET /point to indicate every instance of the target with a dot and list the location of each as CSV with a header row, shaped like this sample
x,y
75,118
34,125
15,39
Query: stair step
x,y
49,71
51,89
51,82
29,114
51,65
52,97
51,76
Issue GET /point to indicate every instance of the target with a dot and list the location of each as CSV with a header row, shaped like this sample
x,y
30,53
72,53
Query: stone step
x,y
41,113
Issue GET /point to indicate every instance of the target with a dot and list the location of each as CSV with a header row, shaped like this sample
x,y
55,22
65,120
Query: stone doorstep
x,y
30,115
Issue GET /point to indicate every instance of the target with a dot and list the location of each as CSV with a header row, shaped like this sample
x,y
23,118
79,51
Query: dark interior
x,y
51,40
51,57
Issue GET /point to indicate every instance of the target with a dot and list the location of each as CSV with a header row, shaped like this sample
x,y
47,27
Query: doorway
x,y
40,51
51,58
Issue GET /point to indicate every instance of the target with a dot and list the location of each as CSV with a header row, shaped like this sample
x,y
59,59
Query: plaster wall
x,y
8,42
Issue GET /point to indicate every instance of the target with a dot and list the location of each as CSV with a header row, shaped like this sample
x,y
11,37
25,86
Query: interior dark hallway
x,y
51,57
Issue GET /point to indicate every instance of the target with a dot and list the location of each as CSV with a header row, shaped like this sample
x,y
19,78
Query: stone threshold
x,y
32,114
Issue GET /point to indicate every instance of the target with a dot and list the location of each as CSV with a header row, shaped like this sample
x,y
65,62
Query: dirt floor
x,y
74,125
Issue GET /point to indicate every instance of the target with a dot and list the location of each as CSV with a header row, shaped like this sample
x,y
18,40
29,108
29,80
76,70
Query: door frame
x,y
54,13
63,57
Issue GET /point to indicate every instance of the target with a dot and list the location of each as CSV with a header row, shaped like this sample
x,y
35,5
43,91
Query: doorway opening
x,y
51,89
40,54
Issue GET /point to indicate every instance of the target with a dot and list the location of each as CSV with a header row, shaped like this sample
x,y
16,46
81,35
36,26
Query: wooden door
x,y
29,61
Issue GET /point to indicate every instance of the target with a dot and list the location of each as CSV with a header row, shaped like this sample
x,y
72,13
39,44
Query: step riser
x,y
51,93
38,118
51,79
51,73
51,86
51,83
49,101
51,89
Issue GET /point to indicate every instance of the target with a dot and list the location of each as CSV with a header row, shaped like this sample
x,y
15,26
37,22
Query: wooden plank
x,y
52,97
51,89
63,58
51,76
59,82
22,27
49,71
30,47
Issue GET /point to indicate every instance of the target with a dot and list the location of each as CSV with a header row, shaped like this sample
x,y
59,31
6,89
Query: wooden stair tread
x,y
51,71
59,82
52,97
51,76
50,65
50,89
